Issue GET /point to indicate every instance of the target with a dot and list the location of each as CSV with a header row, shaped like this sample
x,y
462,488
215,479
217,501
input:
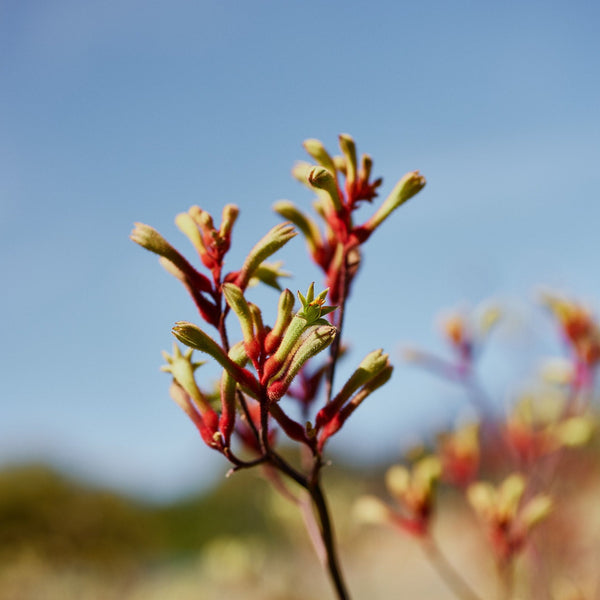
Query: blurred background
x,y
115,112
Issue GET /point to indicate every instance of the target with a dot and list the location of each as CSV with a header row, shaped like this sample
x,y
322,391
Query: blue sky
x,y
115,112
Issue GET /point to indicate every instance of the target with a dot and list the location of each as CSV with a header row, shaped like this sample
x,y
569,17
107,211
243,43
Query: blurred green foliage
x,y
65,522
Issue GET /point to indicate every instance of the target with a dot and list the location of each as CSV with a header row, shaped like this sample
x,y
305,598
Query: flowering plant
x,y
259,370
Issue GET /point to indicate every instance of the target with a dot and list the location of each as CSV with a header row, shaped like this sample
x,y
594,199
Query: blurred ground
x,y
60,539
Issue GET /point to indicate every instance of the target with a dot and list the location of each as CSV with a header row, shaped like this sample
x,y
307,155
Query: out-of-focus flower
x,y
414,493
578,326
459,453
507,516
539,425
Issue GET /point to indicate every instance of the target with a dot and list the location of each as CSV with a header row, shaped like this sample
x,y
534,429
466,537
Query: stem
x,y
313,487
447,572
506,573
337,341
328,538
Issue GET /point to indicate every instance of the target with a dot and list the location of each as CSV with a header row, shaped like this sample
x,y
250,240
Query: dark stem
x,y
328,538
313,487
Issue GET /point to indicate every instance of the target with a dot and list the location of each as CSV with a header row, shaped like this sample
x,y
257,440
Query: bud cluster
x,y
341,183
260,369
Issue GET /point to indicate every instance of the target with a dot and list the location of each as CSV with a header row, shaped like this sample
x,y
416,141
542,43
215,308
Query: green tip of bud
x,y
230,215
301,170
277,237
322,179
348,148
317,151
304,223
410,185
150,239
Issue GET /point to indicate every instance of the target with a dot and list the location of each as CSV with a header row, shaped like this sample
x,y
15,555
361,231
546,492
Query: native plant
x,y
518,476
287,358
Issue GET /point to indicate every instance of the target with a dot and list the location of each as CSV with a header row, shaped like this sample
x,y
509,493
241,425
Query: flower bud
x,y
228,393
366,164
411,184
284,316
304,223
171,259
317,151
301,170
202,218
348,148
193,336
316,340
509,496
150,239
322,179
370,367
236,301
536,510
188,226
230,214
277,237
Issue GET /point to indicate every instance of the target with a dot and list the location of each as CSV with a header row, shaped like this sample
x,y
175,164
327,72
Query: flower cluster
x,y
413,490
581,333
535,445
508,517
270,361
341,183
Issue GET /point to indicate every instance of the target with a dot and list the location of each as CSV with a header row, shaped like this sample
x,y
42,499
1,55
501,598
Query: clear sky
x,y
114,112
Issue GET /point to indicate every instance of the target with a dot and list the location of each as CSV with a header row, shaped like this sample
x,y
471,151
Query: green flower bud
x,y
348,148
171,260
228,392
322,179
368,388
230,214
192,336
317,151
236,301
284,316
536,510
301,170
277,237
305,224
150,239
366,164
509,496
411,184
316,340
370,367
188,227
